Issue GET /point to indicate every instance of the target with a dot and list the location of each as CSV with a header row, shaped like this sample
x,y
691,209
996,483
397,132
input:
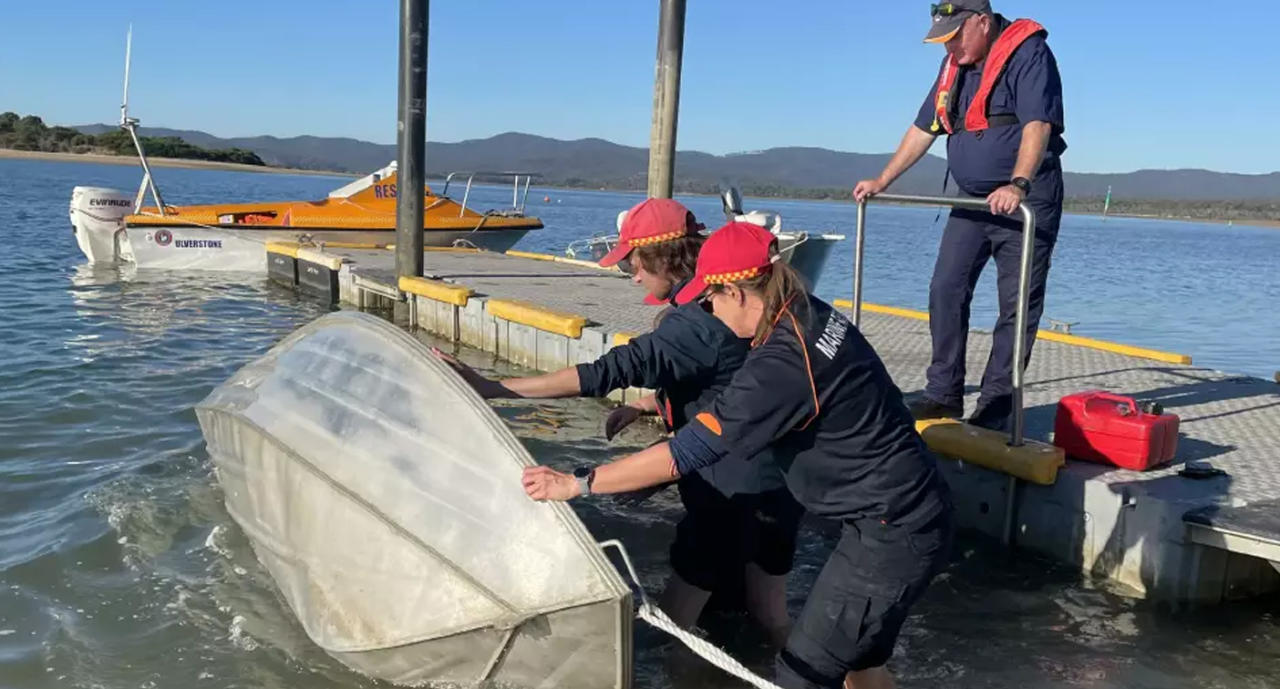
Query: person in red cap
x,y
814,392
738,533
658,246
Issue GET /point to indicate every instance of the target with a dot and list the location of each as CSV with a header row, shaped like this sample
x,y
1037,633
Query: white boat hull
x,y
198,248
807,253
192,249
97,217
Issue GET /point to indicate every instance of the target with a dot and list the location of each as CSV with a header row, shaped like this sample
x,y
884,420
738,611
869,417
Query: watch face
x,y
581,472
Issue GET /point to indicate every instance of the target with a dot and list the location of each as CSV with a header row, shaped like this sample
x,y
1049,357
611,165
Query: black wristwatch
x,y
1022,183
585,477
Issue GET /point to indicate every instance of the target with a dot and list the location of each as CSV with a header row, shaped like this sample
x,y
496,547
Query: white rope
x,y
707,651
703,648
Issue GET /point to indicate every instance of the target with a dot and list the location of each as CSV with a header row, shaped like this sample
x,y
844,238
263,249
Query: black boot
x,y
995,414
925,408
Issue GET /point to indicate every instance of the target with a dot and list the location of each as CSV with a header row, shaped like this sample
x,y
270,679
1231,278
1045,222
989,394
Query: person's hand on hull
x,y
487,388
652,466
544,483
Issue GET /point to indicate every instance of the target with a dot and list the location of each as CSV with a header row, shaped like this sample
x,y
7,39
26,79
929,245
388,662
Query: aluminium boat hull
x,y
383,496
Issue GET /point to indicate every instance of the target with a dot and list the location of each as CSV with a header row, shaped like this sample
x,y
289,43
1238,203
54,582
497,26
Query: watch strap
x,y
585,476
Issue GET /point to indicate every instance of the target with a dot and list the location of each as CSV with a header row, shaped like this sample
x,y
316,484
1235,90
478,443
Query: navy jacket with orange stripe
x,y
820,397
688,359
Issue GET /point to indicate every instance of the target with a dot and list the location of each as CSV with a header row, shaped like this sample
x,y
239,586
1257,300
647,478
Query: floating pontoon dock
x,y
1157,533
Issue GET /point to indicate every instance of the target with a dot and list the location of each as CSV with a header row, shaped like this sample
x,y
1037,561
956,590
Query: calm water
x,y
120,568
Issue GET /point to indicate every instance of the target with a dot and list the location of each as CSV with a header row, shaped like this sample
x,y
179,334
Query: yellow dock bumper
x,y
1033,461
567,324
438,290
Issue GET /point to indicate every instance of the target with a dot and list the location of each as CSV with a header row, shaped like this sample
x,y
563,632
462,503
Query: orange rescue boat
x,y
112,227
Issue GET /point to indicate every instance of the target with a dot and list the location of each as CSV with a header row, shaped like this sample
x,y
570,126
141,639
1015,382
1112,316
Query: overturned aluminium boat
x,y
383,495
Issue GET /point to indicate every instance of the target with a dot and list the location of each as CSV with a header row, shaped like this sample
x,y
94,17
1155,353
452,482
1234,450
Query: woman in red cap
x,y
815,392
739,528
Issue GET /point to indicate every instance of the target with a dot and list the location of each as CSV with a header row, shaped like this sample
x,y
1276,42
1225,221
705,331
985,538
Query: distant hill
x,y
30,133
600,163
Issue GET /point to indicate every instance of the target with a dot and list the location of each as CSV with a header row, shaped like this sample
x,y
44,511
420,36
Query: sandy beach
x,y
162,162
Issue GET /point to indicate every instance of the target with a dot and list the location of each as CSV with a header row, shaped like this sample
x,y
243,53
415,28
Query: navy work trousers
x,y
970,240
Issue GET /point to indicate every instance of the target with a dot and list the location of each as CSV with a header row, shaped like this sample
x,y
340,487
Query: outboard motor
x,y
97,217
731,202
806,253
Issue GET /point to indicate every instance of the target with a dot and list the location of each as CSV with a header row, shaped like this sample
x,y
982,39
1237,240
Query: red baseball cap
x,y
737,251
652,221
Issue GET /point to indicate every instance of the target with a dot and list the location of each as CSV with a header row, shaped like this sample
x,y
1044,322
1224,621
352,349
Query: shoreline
x,y
190,164
181,163
1250,222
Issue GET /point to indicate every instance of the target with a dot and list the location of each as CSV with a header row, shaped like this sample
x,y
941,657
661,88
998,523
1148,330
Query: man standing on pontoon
x,y
999,100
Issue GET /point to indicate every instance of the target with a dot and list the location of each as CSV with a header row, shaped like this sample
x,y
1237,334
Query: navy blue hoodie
x,y
688,358
820,397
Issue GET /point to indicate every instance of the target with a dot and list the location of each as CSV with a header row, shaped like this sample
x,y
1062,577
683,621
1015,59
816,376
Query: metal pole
x,y
128,58
1020,321
1024,283
411,136
666,98
146,171
860,241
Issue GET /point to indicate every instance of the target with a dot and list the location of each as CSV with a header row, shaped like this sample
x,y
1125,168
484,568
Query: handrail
x,y
517,204
1024,281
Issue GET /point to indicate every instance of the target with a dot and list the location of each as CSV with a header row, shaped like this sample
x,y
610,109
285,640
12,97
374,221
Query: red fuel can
x,y
1098,426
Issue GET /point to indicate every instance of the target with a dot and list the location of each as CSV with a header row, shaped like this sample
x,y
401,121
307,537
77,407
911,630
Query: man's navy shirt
x,y
1031,89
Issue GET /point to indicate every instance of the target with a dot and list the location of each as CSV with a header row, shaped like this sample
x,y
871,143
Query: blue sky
x,y
1148,84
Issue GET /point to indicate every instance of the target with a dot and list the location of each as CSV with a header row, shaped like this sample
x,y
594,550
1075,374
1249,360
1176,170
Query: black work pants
x,y
970,240
860,600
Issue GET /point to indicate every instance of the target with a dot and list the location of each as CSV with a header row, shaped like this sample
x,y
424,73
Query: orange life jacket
x,y
976,118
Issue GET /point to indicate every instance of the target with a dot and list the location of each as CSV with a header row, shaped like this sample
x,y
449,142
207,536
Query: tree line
x,y
1180,210
30,133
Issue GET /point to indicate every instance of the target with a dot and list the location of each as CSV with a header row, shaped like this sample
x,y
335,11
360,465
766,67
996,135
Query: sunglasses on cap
x,y
946,9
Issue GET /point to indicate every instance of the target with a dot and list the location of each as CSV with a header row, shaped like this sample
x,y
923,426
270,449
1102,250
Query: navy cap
x,y
948,17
